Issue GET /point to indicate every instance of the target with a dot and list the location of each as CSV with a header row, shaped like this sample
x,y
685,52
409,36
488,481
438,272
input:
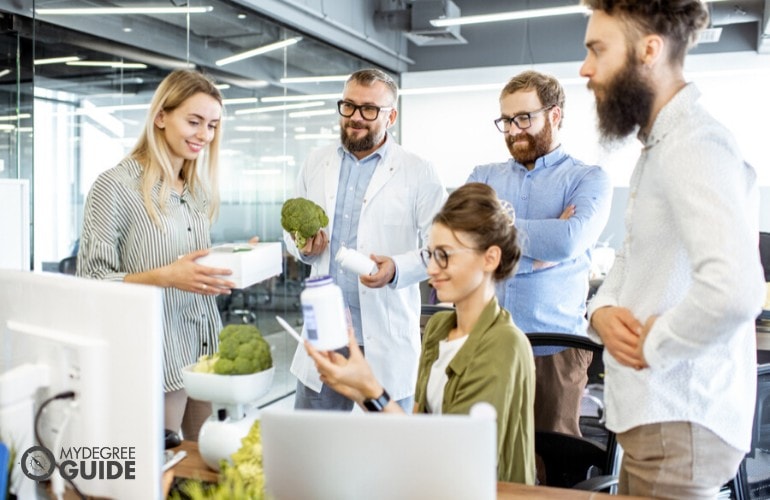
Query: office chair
x,y
68,265
590,462
753,478
764,253
428,310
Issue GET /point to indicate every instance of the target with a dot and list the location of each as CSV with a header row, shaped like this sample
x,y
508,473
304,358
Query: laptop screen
x,y
338,456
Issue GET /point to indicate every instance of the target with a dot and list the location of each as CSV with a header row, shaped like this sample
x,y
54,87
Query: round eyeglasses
x,y
368,112
523,120
440,255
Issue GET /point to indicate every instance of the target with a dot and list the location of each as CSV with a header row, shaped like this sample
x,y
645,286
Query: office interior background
x,y
75,88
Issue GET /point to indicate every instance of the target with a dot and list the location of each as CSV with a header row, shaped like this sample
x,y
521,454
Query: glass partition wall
x,y
85,80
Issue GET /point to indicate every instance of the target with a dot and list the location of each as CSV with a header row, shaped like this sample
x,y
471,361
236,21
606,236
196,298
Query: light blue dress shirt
x,y
551,299
355,175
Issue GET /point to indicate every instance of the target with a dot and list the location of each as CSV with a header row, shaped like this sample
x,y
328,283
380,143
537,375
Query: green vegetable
x,y
242,350
302,219
244,479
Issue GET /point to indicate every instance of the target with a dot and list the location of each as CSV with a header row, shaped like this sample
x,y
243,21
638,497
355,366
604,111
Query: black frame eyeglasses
x,y
440,255
523,120
369,112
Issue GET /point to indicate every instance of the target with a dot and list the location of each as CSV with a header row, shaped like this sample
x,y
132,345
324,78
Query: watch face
x,y
38,463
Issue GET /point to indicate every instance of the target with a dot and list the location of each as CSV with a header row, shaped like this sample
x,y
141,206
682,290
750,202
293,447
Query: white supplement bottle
x,y
324,312
355,262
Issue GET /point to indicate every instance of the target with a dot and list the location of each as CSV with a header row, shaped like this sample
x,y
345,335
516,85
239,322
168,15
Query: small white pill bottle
x,y
355,262
323,310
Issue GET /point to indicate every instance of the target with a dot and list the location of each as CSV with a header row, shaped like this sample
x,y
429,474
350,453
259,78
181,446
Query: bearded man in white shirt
x,y
676,312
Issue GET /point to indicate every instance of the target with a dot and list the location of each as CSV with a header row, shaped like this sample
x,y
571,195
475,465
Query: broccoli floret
x,y
302,219
242,350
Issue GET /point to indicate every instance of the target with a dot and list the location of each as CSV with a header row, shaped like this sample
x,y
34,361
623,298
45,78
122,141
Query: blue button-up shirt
x,y
548,292
355,176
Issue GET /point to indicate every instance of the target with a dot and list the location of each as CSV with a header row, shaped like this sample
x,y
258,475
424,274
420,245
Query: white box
x,y
250,264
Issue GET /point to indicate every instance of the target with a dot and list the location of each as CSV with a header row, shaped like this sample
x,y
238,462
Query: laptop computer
x,y
320,455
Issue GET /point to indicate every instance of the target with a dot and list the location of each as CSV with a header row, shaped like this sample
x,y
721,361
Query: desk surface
x,y
193,467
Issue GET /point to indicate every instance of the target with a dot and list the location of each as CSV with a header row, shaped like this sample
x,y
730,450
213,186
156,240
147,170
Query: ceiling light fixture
x,y
282,107
4,72
56,60
240,100
315,112
108,64
517,15
258,51
98,11
314,79
304,97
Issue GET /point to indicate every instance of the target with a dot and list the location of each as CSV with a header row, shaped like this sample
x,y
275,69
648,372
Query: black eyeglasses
x,y
368,111
440,255
523,120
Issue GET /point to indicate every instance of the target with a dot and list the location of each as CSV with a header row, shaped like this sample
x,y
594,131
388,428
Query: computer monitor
x,y
98,345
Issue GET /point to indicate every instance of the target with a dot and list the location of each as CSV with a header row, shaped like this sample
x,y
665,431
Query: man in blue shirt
x,y
561,206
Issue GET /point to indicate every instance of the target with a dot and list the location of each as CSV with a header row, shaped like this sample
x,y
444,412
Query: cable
x,y
61,395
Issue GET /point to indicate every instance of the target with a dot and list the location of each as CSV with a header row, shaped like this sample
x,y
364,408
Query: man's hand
x,y
386,271
620,331
645,330
316,244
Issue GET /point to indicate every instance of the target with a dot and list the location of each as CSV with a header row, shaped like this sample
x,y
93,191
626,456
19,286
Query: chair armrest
x,y
597,483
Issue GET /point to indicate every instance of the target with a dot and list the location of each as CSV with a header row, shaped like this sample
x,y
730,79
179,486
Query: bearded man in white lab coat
x,y
380,200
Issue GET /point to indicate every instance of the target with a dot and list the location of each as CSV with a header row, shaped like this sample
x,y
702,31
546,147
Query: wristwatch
x,y
379,403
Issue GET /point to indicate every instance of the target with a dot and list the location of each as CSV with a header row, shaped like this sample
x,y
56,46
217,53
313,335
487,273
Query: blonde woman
x,y
148,219
469,355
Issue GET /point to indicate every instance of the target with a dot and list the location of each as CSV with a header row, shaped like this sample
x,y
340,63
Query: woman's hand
x,y
352,377
186,274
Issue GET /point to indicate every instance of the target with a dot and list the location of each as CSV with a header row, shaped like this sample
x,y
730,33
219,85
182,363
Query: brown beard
x,y
367,142
625,103
537,145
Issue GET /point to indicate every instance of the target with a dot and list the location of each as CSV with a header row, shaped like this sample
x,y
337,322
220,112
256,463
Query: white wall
x,y
453,127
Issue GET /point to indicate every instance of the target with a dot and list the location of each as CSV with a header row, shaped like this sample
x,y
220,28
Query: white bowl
x,y
227,389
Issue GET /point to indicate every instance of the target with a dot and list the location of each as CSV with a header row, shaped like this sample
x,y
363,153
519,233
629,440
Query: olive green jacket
x,y
494,365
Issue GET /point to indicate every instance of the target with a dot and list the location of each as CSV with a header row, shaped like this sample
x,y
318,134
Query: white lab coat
x,y
402,197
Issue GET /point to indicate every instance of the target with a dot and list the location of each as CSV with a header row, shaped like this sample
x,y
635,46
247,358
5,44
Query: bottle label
x,y
311,326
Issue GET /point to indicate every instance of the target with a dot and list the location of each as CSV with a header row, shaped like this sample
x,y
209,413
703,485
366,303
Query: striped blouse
x,y
119,238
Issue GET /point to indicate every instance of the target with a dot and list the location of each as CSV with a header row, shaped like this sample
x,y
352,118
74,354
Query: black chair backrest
x,y
753,478
764,253
570,460
68,265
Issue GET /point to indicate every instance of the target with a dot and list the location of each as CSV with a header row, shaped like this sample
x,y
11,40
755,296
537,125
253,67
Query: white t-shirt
x,y
437,378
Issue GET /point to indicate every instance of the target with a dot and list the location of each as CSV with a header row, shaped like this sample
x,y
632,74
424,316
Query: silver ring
x,y
204,287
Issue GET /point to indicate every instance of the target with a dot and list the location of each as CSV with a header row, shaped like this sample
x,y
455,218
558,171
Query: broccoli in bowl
x,y
242,350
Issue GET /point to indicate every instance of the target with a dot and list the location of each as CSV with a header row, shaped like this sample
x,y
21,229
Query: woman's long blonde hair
x,y
152,151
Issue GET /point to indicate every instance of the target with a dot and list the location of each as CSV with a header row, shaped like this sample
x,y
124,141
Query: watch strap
x,y
379,403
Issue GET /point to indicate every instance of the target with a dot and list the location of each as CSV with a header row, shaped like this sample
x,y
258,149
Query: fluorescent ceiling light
x,y
314,79
20,116
276,159
282,107
295,98
259,51
517,15
315,136
91,11
241,100
222,86
509,16
262,171
108,64
317,112
56,60
4,72
254,128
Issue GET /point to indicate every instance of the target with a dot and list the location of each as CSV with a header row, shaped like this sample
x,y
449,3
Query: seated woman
x,y
469,355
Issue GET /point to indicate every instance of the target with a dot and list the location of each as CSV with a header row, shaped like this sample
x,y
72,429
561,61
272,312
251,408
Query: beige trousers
x,y
675,460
